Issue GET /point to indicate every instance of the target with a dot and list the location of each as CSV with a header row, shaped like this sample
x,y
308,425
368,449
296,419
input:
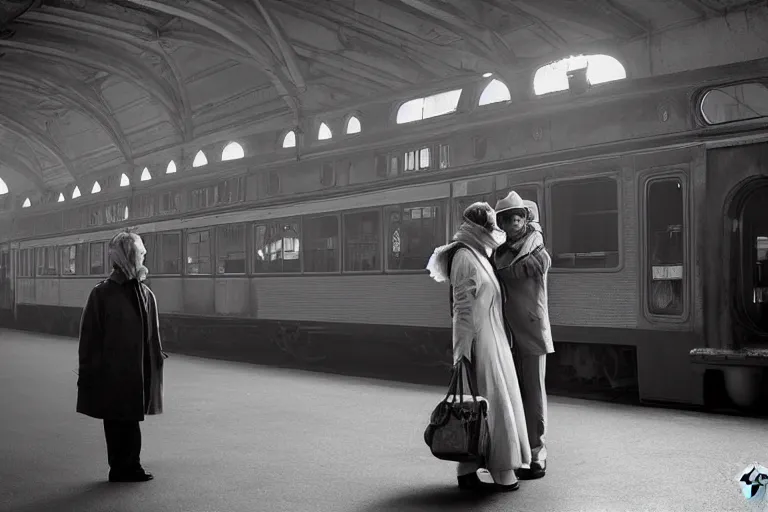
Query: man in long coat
x,y
121,358
522,264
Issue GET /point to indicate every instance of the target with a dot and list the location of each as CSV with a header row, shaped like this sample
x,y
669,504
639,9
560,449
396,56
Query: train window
x,y
163,252
362,241
276,247
97,259
445,156
321,244
68,260
585,224
26,263
738,102
599,69
46,261
199,252
417,160
413,232
230,249
665,231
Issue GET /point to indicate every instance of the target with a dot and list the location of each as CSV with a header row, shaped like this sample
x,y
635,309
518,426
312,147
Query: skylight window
x,y
431,106
494,92
600,69
353,126
27,203
289,141
145,175
3,187
171,169
76,192
61,197
233,151
124,181
324,133
200,159
96,188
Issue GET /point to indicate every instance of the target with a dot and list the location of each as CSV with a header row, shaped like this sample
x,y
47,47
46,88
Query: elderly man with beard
x,y
522,264
121,357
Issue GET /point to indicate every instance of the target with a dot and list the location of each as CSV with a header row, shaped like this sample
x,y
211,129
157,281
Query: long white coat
x,y
478,332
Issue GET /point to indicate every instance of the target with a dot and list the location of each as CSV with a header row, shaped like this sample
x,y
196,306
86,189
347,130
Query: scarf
x,y
525,256
470,234
123,256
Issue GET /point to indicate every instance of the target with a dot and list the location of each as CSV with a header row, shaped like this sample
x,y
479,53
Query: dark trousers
x,y
531,370
123,444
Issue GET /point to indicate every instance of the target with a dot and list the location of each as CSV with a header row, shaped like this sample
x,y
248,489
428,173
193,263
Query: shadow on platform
x,y
443,497
91,496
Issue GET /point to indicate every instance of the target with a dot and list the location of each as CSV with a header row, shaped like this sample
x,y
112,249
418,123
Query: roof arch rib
x,y
24,169
129,68
212,21
109,29
79,98
20,128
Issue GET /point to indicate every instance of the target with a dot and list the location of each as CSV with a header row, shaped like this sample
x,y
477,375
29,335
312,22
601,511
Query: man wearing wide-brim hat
x,y
522,263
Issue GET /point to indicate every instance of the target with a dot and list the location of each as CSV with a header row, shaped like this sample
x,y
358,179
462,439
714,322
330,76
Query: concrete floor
x,y
238,437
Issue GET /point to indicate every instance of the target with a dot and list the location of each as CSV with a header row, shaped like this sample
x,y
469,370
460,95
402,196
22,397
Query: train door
x,y
749,261
736,274
6,286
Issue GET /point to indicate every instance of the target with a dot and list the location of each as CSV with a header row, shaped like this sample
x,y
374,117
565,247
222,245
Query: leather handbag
x,y
458,426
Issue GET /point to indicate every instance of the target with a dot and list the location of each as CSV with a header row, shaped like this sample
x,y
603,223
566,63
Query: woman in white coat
x,y
479,336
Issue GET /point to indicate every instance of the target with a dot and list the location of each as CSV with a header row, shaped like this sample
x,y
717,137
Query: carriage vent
x,y
327,175
480,147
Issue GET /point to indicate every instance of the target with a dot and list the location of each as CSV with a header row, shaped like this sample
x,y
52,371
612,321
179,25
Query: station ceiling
x,y
88,86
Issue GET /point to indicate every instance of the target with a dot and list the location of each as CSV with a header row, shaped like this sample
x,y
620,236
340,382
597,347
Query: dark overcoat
x,y
121,356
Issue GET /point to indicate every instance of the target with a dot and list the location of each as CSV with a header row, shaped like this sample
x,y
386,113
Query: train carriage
x,y
653,214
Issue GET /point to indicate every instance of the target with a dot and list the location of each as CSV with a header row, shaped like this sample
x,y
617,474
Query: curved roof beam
x,y
79,98
206,20
128,68
484,38
25,170
289,56
14,125
111,29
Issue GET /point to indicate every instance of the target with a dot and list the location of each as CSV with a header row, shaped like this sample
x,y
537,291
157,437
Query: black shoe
x,y
506,488
469,482
138,475
536,471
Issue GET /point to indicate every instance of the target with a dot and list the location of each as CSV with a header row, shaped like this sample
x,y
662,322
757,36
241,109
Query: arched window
x,y
431,106
27,203
171,169
76,192
96,188
124,181
494,92
554,77
200,159
324,133
353,126
233,151
145,175
289,141
61,197
3,187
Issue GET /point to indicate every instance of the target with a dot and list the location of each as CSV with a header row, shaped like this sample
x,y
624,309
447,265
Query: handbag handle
x,y
456,387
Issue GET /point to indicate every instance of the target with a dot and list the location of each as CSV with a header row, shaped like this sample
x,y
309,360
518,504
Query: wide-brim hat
x,y
512,201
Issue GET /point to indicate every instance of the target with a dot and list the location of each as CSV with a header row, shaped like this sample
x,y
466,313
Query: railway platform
x,y
237,437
